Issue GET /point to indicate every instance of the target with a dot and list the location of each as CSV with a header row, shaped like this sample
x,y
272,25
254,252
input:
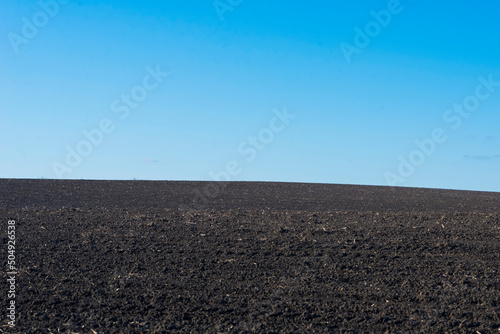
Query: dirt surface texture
x,y
248,257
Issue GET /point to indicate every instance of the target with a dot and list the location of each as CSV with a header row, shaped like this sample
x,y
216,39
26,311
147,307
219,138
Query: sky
x,y
398,93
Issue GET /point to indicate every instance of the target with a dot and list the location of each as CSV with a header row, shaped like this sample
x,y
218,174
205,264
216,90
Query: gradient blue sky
x,y
353,120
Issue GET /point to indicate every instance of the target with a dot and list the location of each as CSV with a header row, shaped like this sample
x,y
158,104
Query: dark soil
x,y
157,257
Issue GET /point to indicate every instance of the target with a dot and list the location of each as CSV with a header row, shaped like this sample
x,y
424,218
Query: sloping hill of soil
x,y
249,257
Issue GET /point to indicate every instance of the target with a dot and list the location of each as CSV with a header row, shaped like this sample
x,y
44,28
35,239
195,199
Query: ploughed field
x,y
250,257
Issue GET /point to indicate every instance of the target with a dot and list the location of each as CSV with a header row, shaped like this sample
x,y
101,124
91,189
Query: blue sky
x,y
234,68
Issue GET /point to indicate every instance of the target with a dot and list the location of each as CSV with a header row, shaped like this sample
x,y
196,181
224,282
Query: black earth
x,y
249,257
